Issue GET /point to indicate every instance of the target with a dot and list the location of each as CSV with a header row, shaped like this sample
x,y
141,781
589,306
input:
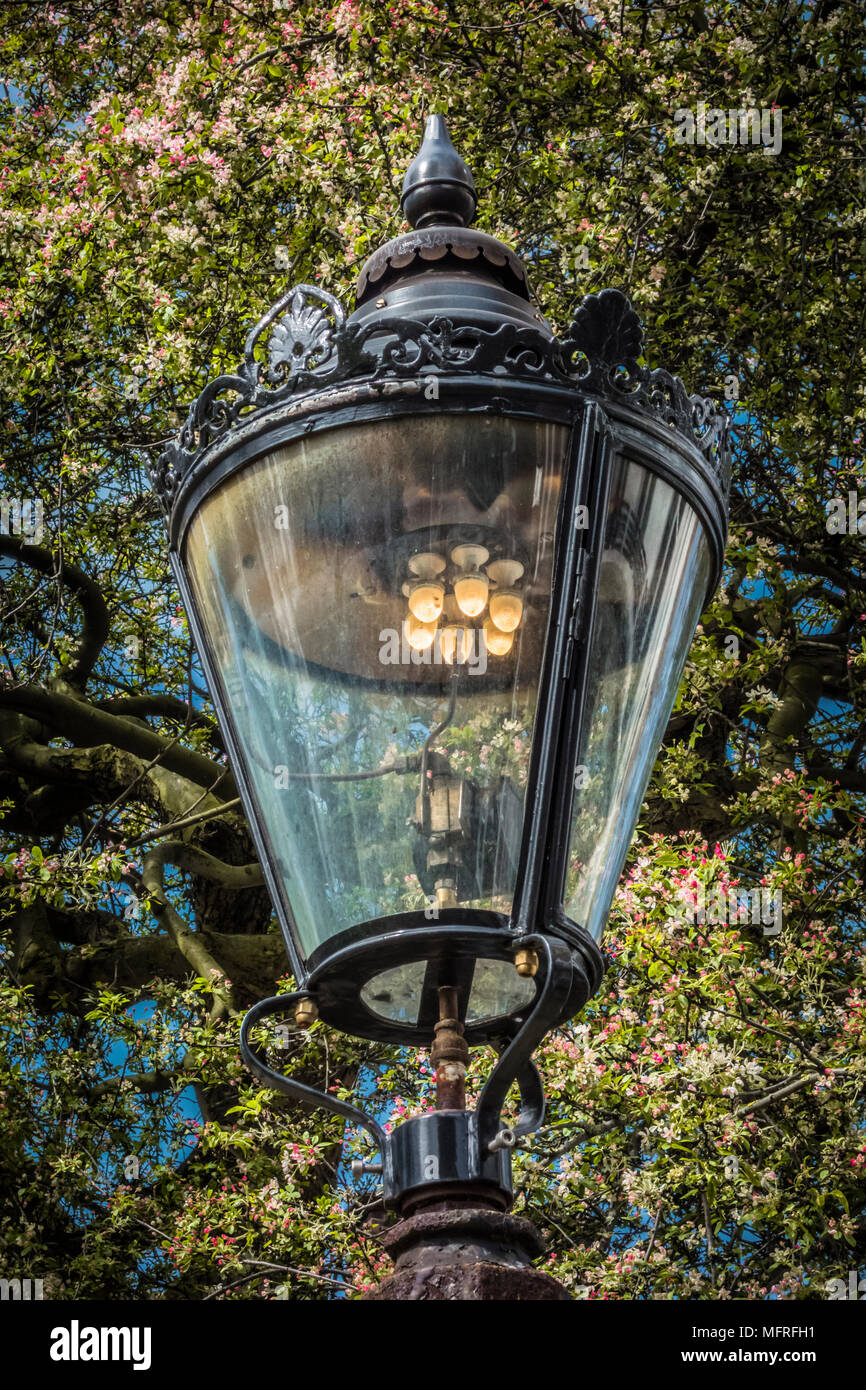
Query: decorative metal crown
x,y
305,344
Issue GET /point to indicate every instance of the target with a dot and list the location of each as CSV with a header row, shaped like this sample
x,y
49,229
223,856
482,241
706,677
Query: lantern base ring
x,y
380,979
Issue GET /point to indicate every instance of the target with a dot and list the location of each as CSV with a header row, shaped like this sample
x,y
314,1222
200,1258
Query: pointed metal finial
x,y
438,189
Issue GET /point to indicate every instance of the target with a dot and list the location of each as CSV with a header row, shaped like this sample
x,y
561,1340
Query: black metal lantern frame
x,y
444,325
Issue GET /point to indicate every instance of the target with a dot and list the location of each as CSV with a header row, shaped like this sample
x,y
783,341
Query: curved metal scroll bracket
x,y
281,1003
515,1062
532,1102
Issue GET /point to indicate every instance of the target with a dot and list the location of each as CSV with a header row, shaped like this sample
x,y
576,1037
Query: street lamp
x,y
442,569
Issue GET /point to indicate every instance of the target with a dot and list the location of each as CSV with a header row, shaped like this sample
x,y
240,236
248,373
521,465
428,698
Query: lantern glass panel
x,y
652,583
300,570
397,993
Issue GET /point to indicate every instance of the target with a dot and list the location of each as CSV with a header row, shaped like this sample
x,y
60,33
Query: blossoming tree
x,y
164,176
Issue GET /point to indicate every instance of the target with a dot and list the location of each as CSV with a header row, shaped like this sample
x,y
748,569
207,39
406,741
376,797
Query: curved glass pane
x,y
348,585
496,989
396,993
652,583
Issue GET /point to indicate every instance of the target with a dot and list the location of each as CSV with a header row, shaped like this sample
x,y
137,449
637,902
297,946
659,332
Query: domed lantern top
x,y
443,568
438,189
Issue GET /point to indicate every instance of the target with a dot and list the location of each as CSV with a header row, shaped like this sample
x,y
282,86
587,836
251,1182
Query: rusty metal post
x,y
449,1053
461,1245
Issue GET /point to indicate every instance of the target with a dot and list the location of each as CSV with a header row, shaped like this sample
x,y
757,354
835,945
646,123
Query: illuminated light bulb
x,y
506,609
419,635
498,643
505,573
471,587
426,565
455,645
426,600
470,591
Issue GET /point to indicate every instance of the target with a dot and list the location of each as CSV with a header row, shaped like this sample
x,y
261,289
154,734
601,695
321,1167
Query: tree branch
x,y
158,706
199,862
84,724
779,1094
185,823
148,1082
190,943
97,619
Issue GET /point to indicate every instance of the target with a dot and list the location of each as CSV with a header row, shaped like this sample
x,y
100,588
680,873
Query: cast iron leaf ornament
x,y
607,331
302,339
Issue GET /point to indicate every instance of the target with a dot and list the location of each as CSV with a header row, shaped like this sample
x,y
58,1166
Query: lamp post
x,y
442,569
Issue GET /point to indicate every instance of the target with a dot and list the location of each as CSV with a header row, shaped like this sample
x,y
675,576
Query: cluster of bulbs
x,y
472,589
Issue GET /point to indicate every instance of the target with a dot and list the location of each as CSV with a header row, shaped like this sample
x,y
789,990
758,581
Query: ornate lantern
x,y
443,569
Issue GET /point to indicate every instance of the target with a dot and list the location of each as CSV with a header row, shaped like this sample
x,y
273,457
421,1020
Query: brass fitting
x,y
306,1012
445,896
526,962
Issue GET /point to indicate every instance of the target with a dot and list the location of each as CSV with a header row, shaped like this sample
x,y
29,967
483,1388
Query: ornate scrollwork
x,y
606,333
304,344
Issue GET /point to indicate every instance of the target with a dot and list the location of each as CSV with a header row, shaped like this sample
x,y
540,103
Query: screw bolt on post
x,y
306,1013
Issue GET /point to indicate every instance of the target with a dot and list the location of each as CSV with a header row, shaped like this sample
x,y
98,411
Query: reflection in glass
x,y
497,989
396,994
652,584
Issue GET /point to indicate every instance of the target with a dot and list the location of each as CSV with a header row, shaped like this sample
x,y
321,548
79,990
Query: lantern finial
x,y
438,189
